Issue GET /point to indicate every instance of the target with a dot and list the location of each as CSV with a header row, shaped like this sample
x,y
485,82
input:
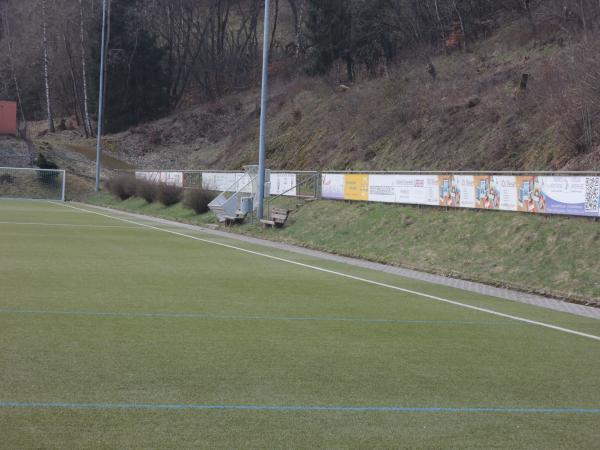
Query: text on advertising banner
x,y
579,196
283,183
409,189
356,187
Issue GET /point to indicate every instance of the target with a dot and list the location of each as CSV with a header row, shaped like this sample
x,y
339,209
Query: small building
x,y
8,117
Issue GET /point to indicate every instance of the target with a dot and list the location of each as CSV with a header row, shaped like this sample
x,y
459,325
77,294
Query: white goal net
x,y
28,183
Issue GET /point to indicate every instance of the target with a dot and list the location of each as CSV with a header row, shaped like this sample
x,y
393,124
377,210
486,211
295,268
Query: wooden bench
x,y
277,218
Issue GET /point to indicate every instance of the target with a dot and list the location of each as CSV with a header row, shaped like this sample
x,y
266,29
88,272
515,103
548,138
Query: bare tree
x,y
46,64
298,8
86,110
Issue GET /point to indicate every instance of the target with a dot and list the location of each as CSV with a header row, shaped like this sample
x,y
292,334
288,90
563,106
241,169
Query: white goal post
x,y
32,183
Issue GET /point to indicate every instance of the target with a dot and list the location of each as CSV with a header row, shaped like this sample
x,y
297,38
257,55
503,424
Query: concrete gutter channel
x,y
478,288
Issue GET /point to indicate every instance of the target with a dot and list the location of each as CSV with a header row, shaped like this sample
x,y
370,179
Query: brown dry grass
x,y
472,117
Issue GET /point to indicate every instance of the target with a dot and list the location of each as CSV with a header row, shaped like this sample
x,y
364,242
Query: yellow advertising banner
x,y
356,187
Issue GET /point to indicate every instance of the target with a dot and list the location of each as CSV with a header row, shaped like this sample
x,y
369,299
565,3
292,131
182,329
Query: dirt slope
x,y
473,116
14,152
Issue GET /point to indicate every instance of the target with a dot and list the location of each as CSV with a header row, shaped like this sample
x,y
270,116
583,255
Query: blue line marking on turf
x,y
233,407
252,318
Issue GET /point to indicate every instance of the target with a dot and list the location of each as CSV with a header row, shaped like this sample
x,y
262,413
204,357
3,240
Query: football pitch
x,y
120,332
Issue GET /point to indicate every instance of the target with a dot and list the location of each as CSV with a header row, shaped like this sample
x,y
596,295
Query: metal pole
x,y
263,114
64,184
101,98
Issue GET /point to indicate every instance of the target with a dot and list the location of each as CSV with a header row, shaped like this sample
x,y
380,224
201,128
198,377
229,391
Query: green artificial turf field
x,y
127,334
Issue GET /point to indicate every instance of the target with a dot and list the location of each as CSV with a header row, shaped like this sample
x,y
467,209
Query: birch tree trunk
x,y
297,7
462,25
87,123
440,22
275,20
74,85
46,62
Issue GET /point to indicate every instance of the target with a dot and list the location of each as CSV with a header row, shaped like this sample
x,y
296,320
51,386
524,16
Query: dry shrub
x,y
168,194
123,186
198,199
147,190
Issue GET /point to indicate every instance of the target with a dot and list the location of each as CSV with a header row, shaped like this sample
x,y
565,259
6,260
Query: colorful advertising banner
x,y
449,195
506,189
577,196
464,186
574,195
174,178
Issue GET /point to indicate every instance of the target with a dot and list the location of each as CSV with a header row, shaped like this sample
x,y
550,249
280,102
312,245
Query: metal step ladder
x,y
234,204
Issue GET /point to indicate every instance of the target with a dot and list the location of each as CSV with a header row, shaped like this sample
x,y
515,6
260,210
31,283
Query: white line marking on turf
x,y
75,225
298,408
345,275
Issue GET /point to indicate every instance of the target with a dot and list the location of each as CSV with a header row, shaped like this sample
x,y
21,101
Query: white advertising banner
x,y
283,183
173,178
409,189
220,181
332,186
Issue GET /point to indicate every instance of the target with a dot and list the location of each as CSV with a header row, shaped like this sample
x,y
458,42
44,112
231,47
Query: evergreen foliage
x,y
136,83
329,26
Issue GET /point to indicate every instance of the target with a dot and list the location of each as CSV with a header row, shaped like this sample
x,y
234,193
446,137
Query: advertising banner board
x,y
356,187
457,191
173,178
233,182
506,189
283,183
220,181
576,196
332,186
409,189
465,186
565,195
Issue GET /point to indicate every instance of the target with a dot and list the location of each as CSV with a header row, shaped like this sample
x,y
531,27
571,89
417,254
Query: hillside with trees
x,y
380,84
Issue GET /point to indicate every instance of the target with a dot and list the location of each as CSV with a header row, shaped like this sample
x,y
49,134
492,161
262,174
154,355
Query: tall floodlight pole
x,y
101,98
263,114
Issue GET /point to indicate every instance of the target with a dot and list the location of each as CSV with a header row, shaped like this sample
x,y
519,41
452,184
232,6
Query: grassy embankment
x,y
552,255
